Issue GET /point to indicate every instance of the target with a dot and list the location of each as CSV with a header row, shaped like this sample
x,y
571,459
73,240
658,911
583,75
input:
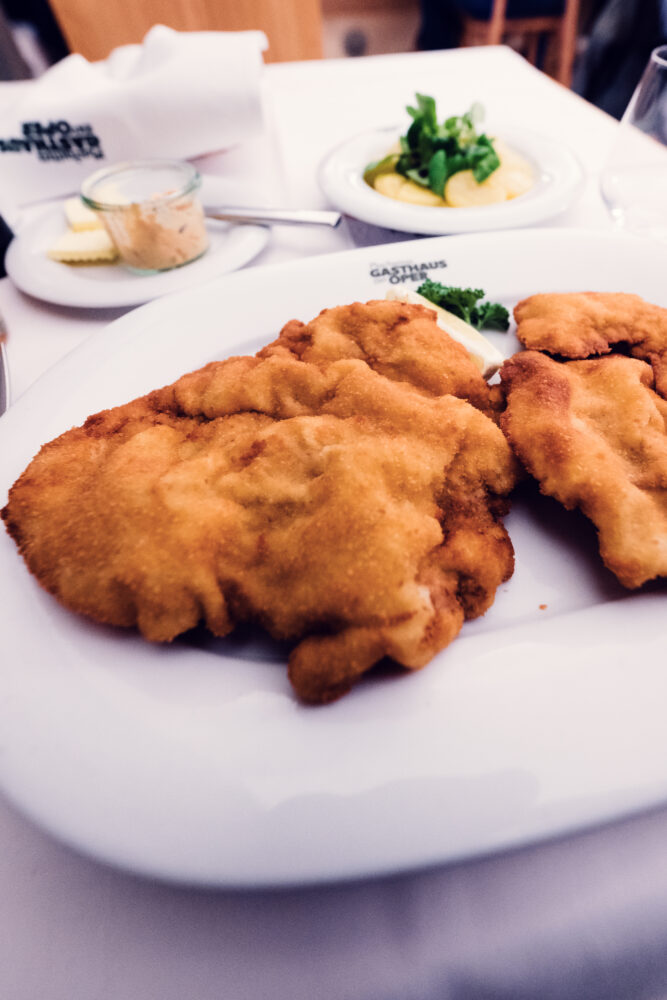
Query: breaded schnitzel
x,y
353,514
399,340
582,324
594,435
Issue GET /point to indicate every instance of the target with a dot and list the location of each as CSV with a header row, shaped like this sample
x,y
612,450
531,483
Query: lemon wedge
x,y
487,357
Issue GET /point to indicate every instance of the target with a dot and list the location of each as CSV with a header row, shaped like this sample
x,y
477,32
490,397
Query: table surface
x,y
583,916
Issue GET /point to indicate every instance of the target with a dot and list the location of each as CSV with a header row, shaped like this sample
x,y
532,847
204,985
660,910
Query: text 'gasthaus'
x,y
397,273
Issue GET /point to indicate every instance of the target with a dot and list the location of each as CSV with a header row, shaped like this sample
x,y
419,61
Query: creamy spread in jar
x,y
158,235
152,232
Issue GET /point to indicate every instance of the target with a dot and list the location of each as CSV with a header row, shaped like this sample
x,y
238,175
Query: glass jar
x,y
151,211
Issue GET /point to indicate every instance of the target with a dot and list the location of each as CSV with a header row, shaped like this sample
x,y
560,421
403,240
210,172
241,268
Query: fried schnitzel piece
x,y
328,505
399,340
582,324
594,435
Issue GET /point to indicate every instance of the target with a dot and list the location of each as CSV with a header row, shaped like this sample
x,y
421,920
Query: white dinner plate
x,y
102,285
559,180
194,762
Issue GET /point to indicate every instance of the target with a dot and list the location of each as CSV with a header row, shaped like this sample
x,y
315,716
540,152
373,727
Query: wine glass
x,y
633,183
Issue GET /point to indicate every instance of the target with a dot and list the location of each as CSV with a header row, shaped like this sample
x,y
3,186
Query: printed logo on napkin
x,y
160,99
57,140
405,271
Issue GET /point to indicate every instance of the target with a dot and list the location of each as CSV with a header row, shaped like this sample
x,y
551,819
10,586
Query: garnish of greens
x,y
430,153
467,305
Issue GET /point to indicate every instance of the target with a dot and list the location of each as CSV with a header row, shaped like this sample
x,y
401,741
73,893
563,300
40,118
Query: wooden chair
x,y
559,31
95,27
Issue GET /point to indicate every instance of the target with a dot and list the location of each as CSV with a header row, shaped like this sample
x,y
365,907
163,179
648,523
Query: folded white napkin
x,y
177,95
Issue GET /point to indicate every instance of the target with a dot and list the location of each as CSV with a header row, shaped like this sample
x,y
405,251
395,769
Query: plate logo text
x,y
398,273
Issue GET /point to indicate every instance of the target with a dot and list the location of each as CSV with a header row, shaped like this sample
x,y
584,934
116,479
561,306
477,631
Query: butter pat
x,y
84,246
487,357
81,218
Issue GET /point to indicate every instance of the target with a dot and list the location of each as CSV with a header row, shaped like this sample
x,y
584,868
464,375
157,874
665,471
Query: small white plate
x,y
101,286
559,180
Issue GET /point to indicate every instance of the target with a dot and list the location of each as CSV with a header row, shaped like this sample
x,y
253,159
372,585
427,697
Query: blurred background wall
x,y
613,39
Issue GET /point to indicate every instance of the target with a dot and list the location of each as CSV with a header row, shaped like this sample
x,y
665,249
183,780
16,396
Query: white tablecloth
x,y
310,107
581,917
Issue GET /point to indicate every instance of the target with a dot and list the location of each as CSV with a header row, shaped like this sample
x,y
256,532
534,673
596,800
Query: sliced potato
x,y
389,184
513,177
508,156
517,179
400,188
416,195
463,191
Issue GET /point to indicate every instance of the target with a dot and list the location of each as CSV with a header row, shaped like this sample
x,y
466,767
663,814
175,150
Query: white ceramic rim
x,y
174,764
559,181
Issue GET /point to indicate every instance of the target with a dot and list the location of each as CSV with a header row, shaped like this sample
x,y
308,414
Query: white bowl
x,y
559,180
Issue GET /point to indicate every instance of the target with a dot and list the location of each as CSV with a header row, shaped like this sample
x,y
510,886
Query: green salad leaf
x,y
430,152
465,303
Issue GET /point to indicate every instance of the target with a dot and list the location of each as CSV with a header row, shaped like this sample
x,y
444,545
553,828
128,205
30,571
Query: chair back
x,y
559,31
95,27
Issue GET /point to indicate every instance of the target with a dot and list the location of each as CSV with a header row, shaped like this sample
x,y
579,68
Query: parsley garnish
x,y
465,303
